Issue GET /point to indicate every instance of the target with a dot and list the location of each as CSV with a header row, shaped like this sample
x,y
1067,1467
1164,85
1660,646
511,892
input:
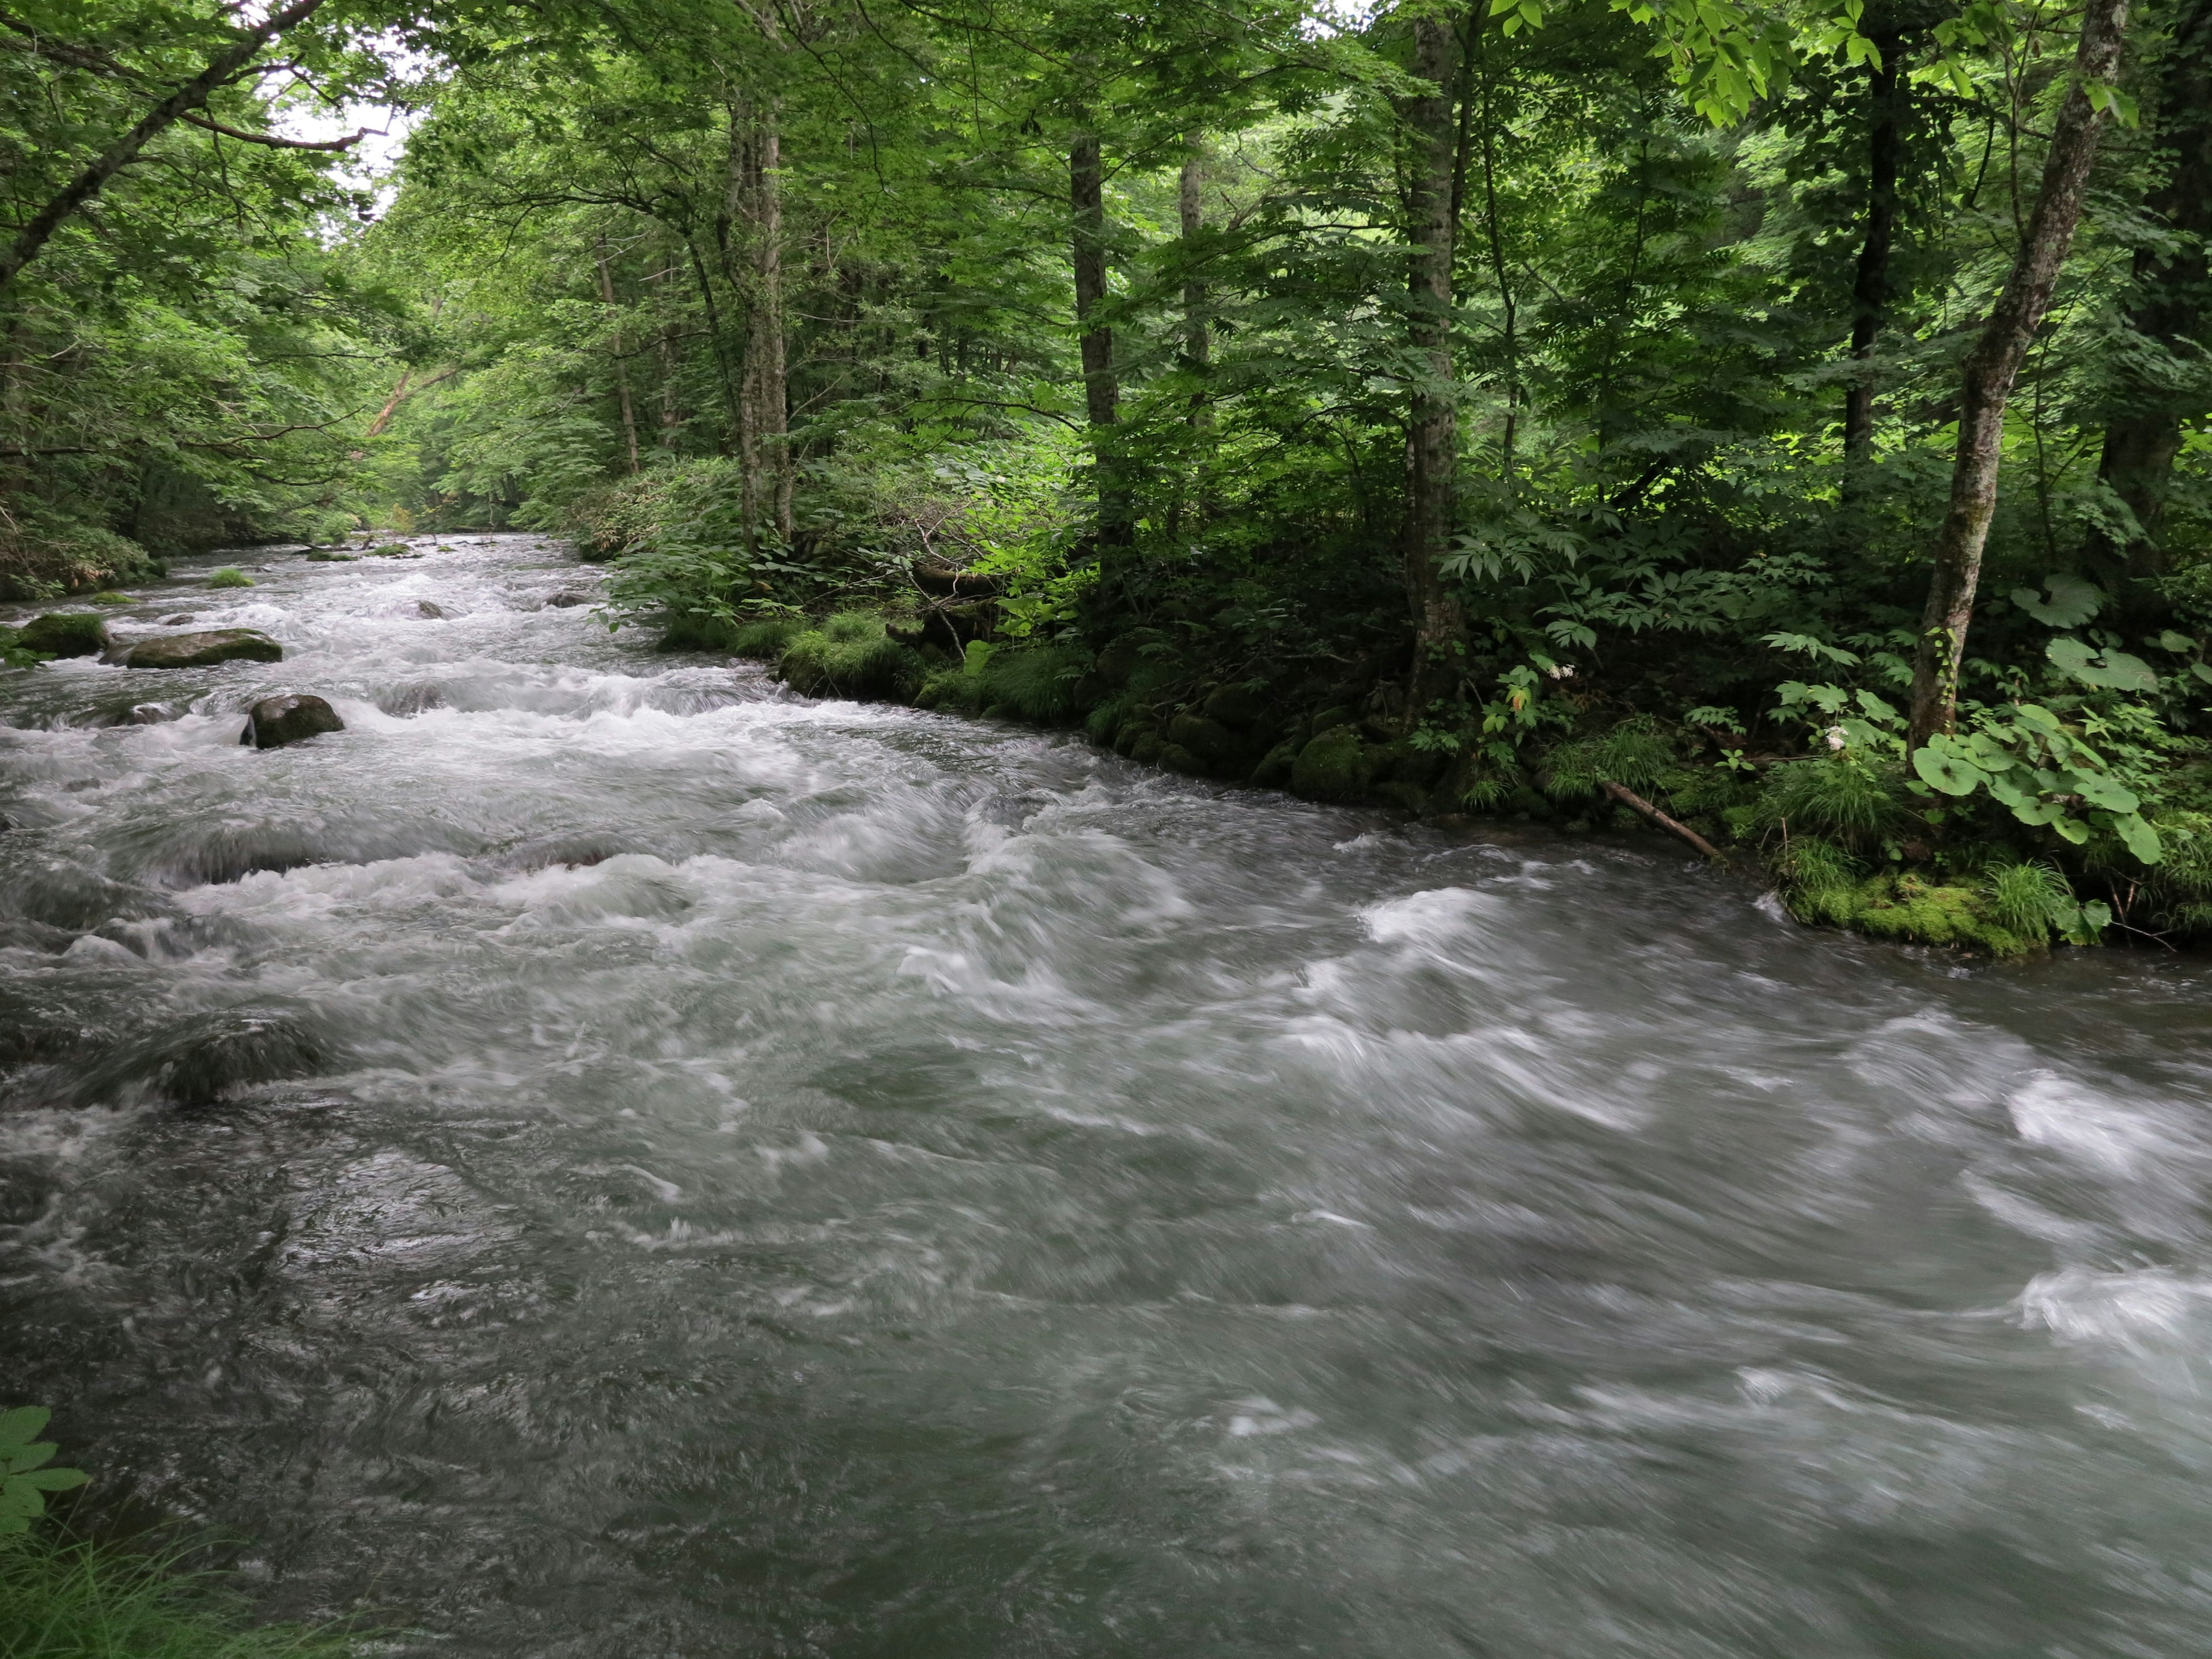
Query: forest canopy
x,y
1788,422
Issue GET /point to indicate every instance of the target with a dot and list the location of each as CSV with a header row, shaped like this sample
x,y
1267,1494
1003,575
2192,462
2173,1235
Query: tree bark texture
x,y
622,365
1101,390
2172,309
1198,338
71,198
1886,92
1993,366
1432,416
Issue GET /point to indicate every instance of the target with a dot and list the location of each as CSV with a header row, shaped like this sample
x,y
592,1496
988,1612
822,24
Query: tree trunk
x,y
2172,310
1432,418
765,341
1198,339
1102,390
38,230
1994,364
622,365
1886,92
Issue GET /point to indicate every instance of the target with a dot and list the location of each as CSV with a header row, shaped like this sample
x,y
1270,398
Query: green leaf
x,y
2070,656
55,1480
2125,674
2170,640
2142,840
2099,791
2071,829
2202,670
1945,763
21,1425
2072,601
19,1458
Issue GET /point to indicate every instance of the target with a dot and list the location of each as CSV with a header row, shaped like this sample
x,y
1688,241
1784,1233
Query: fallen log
x,y
1643,809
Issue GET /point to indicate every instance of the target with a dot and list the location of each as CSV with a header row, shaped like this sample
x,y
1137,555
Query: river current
x,y
703,1172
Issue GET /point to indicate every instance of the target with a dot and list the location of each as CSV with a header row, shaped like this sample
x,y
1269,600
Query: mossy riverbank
x,y
1832,833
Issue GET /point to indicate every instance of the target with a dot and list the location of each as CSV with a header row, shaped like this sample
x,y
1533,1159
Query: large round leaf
x,y
1943,763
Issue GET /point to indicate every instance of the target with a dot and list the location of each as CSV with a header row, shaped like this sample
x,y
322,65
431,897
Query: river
x,y
715,1173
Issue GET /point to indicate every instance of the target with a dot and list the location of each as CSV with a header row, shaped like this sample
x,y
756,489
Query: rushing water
x,y
731,1175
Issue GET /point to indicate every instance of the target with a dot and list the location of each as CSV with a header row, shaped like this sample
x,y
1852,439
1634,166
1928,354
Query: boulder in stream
x,y
65,634
274,722
201,650
429,611
565,600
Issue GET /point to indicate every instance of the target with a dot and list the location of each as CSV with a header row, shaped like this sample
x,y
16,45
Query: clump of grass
x,y
230,576
1632,755
75,1600
1838,796
851,654
765,638
1819,881
2027,898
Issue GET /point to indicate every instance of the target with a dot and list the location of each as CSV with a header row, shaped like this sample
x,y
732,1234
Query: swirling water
x,y
736,1174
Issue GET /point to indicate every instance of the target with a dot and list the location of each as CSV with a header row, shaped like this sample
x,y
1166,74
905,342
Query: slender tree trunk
x,y
1886,109
1494,226
1994,364
2172,310
664,350
766,349
1102,390
739,187
1432,419
1198,338
71,198
622,365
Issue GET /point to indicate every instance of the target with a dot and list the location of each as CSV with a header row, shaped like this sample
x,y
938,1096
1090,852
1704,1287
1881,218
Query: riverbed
x,y
702,1171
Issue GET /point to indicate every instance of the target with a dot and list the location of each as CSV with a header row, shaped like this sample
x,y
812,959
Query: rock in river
x,y
567,600
64,634
199,650
274,722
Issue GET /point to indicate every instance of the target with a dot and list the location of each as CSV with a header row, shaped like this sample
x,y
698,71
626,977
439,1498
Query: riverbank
x,y
1847,836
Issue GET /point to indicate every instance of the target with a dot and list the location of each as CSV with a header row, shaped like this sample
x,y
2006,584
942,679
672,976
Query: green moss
x,y
1176,758
1914,912
65,634
765,638
851,655
1235,705
1334,766
697,631
1216,746
112,599
1273,771
230,576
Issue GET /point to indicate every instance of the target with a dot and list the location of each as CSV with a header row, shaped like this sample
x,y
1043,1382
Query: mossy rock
x,y
1406,797
1273,771
392,550
1119,660
318,556
1176,758
1213,744
764,639
1146,751
65,634
851,655
1329,719
1910,911
276,722
1235,705
230,576
112,599
201,650
1334,766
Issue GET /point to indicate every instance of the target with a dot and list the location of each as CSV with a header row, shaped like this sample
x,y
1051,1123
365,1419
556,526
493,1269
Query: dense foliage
x,y
1492,408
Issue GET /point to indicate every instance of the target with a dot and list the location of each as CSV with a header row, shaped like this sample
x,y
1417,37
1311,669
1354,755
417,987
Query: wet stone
x,y
201,650
429,611
274,722
563,601
64,634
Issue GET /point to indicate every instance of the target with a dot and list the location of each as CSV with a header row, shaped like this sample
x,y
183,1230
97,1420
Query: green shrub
x,y
1634,755
1819,881
851,655
1038,683
230,576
